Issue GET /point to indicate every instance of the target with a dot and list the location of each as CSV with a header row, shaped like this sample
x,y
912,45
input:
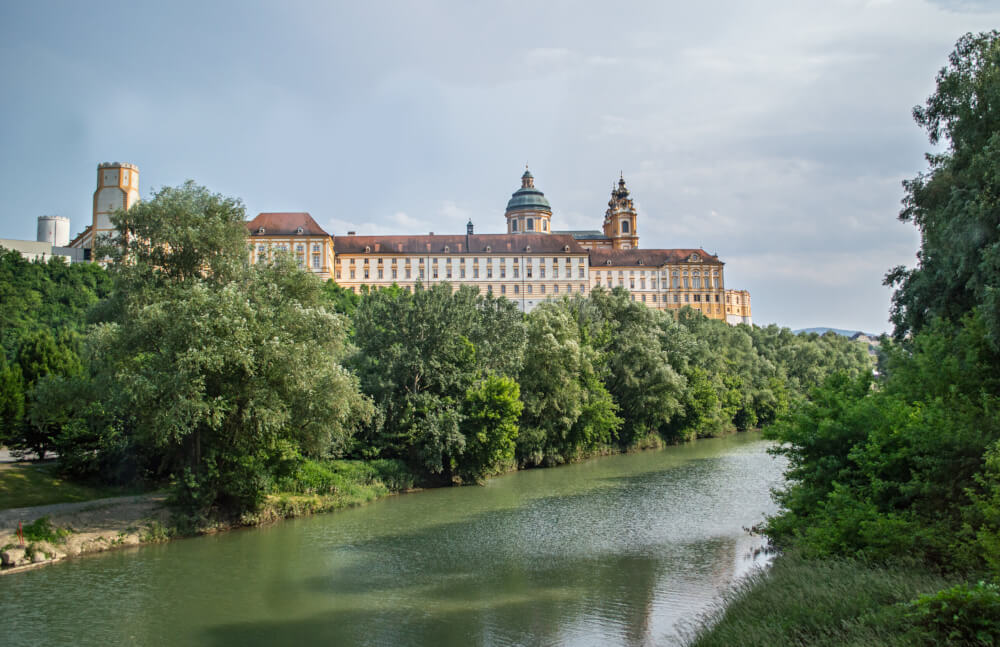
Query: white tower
x,y
53,230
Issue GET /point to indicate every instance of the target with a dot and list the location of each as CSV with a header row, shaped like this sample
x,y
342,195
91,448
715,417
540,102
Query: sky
x,y
774,134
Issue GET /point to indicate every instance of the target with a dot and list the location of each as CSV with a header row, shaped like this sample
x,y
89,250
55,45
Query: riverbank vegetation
x,y
185,366
905,473
231,383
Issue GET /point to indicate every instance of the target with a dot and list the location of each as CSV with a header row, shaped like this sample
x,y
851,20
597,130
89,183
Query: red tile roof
x,y
285,223
458,244
654,257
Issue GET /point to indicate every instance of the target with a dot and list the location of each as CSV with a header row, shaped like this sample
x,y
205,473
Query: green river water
x,y
623,550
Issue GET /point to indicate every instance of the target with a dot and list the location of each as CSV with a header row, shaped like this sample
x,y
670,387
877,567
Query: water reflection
x,y
616,551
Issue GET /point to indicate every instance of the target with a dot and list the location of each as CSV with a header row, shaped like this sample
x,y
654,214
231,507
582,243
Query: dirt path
x,y
96,526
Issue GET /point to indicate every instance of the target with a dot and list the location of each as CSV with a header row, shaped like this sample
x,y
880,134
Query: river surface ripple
x,y
622,550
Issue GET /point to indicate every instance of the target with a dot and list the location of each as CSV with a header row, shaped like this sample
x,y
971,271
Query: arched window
x,y
531,224
624,226
513,225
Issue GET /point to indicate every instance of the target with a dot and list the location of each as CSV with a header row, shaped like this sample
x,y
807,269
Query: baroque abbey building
x,y
528,264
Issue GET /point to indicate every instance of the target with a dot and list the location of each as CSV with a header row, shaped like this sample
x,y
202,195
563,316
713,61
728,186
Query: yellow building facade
x,y
528,264
296,233
738,307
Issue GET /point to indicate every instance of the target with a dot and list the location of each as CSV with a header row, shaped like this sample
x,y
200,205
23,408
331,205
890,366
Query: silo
x,y
53,230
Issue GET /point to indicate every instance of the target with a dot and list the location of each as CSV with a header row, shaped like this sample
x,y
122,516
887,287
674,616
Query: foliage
x,y
328,477
567,410
985,517
43,309
216,371
11,399
895,471
394,473
341,300
954,203
419,353
963,614
637,369
41,529
52,295
490,413
908,468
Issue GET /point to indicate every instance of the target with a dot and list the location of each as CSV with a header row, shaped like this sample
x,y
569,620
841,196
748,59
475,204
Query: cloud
x,y
776,136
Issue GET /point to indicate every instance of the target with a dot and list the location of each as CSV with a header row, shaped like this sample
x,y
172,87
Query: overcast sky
x,y
775,134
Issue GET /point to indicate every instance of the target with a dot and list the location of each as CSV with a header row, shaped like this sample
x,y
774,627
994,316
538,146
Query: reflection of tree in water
x,y
582,569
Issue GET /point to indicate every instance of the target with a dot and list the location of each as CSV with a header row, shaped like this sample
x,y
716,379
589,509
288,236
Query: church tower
x,y
528,211
620,218
117,188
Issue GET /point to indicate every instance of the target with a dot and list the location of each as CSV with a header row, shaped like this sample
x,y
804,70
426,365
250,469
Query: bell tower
x,y
117,188
620,218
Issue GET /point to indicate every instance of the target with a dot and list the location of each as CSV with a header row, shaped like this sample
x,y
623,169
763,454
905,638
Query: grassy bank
x,y
832,603
315,486
30,484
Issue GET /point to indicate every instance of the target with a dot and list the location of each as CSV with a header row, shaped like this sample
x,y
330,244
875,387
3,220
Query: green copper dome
x,y
528,198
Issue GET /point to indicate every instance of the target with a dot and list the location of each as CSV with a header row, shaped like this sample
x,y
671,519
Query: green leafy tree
x,y
637,369
907,468
418,355
11,399
567,409
490,413
954,203
341,299
224,373
40,356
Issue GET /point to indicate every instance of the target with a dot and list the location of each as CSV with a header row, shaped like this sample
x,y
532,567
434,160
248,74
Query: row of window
x,y
299,247
449,273
652,273
688,284
300,254
461,262
529,225
515,290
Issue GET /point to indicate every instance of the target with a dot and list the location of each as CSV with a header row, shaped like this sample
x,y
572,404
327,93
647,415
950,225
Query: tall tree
x,y
638,369
419,354
955,203
566,407
223,371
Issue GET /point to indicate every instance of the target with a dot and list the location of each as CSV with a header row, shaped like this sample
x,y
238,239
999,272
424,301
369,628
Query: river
x,y
622,550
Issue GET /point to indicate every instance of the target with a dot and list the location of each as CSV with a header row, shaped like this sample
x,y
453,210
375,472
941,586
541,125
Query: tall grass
x,y
826,603
323,486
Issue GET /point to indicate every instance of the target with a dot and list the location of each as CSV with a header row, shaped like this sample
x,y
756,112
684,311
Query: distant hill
x,y
821,330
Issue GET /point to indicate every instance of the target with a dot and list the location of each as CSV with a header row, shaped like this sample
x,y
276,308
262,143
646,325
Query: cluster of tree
x,y
43,313
222,377
910,466
464,385
200,368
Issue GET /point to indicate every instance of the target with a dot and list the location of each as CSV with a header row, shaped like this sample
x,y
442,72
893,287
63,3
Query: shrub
x,y
394,473
963,614
42,530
